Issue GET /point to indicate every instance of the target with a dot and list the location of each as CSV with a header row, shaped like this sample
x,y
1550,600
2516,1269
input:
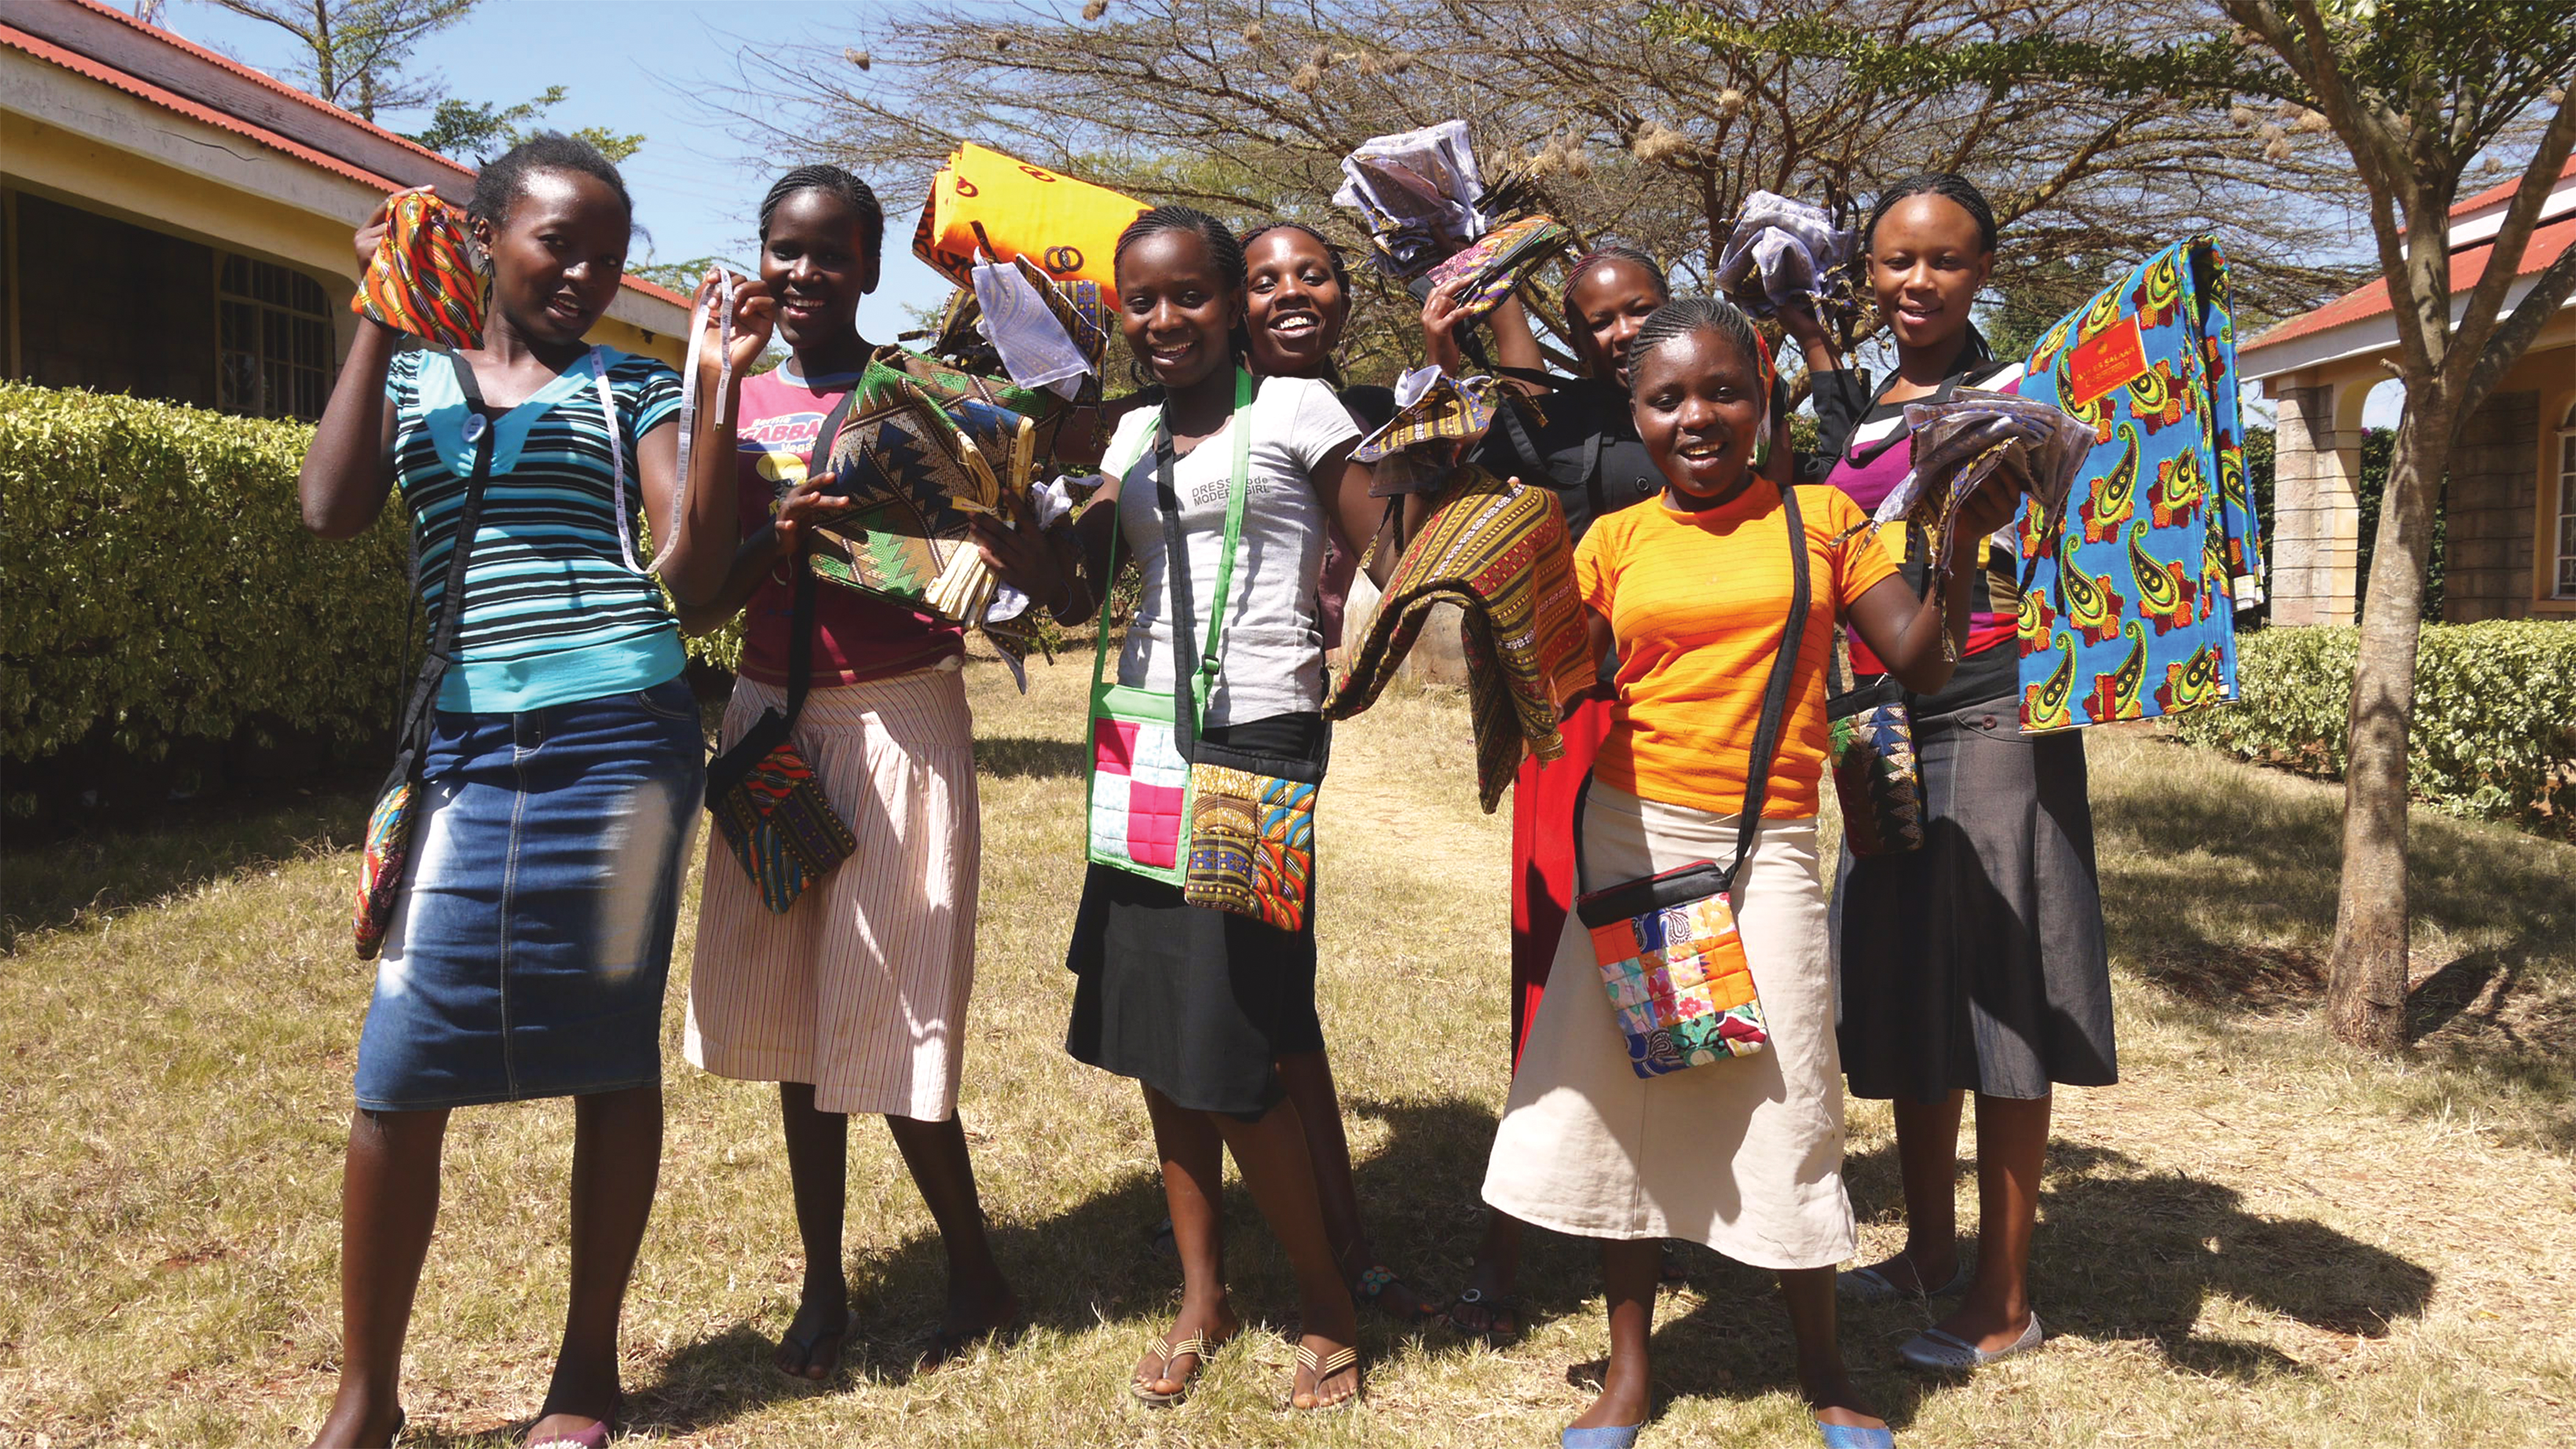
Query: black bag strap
x,y
770,731
1775,704
419,713
800,618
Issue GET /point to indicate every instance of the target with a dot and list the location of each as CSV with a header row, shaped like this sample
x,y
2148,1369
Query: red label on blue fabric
x,y
2105,362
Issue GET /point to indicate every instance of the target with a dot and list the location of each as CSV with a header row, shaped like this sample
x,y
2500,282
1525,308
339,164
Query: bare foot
x,y
974,1315
1164,1375
359,1421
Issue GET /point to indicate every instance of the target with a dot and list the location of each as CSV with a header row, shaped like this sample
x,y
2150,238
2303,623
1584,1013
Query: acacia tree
x,y
2415,90
355,49
1247,107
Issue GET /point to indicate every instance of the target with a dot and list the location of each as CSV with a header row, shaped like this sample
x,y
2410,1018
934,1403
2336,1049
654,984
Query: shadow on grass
x,y
2225,898
109,869
1011,757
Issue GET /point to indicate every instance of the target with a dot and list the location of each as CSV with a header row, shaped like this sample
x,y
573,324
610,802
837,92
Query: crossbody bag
x,y
1671,958
768,806
396,816
1233,828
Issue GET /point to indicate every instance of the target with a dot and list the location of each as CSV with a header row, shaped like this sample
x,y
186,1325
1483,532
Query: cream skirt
x,y
1744,1155
861,987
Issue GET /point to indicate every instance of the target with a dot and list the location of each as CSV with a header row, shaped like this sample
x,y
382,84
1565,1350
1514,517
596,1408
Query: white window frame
x,y
2563,576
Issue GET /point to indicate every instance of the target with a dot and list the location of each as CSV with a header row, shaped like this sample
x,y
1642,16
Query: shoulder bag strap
x,y
1117,536
800,618
1775,694
451,600
1191,687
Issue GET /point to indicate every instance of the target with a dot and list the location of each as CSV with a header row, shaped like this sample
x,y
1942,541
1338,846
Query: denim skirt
x,y
528,953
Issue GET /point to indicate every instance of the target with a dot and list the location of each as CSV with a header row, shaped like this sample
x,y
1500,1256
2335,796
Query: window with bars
x,y
276,345
2567,506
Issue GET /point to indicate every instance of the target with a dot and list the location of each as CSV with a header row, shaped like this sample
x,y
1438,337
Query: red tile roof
x,y
170,100
2467,265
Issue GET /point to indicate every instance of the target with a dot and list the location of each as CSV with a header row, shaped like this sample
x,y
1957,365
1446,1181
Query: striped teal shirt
x,y
552,613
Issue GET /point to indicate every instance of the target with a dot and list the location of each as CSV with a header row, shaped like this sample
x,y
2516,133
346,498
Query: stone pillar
x,y
2487,511
2316,512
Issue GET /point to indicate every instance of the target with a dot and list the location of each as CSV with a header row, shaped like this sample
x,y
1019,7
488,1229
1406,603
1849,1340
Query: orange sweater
x,y
1698,602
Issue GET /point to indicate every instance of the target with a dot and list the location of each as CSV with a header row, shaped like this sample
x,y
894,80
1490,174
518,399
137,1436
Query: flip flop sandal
x,y
1674,1273
594,1437
1933,1351
1193,1346
1371,1287
1868,1285
805,1346
1852,1436
1322,1369
1502,1315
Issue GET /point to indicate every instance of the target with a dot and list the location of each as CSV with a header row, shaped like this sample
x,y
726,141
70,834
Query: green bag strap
x,y
1176,566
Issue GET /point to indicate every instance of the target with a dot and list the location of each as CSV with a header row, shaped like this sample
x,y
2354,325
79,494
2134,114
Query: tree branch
x,y
2505,347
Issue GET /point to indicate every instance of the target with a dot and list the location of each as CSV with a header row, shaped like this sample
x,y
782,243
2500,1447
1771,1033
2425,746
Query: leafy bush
x,y
160,582
2495,714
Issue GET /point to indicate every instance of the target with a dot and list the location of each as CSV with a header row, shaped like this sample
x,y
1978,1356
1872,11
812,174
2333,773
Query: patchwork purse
x,y
1671,959
1497,261
767,804
396,816
423,279
1870,750
1234,829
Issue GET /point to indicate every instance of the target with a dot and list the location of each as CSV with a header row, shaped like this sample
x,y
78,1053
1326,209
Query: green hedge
x,y
160,583
2495,714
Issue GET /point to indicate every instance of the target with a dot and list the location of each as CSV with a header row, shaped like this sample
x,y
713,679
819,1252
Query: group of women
x,y
532,939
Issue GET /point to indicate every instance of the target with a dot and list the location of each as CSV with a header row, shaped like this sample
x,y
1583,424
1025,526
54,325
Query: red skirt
x,y
1543,858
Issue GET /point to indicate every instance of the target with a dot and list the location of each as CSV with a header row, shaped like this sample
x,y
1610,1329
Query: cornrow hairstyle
x,y
503,182
1224,249
1596,257
1341,272
1948,185
832,181
1956,188
1683,316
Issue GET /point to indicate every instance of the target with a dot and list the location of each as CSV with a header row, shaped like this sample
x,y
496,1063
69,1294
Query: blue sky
x,y
632,66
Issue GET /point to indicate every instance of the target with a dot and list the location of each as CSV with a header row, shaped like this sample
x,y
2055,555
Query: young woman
x,y
1976,963
1742,1154
855,999
533,931
1297,300
1200,1005
1581,440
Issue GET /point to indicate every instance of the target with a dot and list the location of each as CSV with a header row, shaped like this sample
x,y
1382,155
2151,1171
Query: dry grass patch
x,y
2255,1240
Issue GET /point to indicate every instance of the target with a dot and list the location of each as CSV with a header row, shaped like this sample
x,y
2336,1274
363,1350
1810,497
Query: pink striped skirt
x,y
861,988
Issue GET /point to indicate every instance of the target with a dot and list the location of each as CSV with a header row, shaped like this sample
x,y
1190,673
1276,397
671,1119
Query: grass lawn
x,y
2256,1239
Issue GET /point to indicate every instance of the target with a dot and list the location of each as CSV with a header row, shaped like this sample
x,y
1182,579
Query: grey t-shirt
x,y
1274,646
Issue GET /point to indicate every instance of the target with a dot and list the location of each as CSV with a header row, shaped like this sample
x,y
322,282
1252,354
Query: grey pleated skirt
x,y
1977,963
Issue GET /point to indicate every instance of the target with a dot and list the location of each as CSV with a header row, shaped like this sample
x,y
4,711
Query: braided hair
x,y
500,184
1950,186
835,182
1225,252
1683,316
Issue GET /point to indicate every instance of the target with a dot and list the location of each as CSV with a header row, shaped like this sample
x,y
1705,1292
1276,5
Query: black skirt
x,y
1195,1003
1977,962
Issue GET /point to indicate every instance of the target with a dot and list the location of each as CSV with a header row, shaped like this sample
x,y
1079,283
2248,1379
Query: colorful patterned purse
x,y
1876,777
1499,259
1234,829
423,279
768,806
391,824
1671,959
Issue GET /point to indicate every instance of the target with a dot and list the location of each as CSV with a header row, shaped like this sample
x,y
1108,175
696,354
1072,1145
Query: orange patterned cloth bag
x,y
423,280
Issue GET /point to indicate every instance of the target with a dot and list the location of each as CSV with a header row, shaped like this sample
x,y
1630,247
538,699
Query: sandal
x,y
1191,1347
1322,1369
1369,1289
1502,1313
1869,1285
805,1346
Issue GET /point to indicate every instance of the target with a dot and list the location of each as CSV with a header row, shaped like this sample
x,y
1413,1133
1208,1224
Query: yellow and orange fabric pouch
x,y
423,280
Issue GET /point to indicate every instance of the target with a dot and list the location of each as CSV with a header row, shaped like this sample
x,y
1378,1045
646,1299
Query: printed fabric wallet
x,y
774,816
1674,966
1876,777
1252,835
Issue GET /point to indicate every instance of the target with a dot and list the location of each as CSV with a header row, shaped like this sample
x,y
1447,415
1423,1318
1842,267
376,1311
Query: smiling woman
x,y
554,759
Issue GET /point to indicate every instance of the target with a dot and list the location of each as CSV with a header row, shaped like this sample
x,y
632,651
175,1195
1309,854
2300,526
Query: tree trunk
x,y
2366,975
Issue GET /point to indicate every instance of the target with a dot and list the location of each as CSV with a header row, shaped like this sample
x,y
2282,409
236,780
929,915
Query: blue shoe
x,y
1846,1436
1621,1436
